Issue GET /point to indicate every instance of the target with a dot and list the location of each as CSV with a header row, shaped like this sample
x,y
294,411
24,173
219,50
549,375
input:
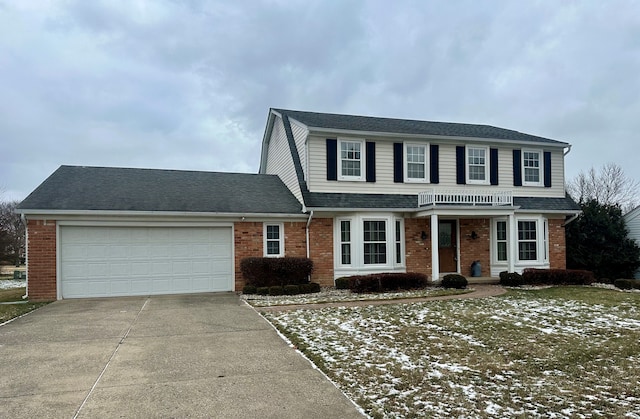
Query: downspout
x,y
307,232
568,150
26,253
571,219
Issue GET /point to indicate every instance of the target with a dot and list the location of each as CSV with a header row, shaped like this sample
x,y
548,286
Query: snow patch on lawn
x,y
6,284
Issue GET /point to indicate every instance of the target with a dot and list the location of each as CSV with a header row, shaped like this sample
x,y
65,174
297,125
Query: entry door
x,y
447,245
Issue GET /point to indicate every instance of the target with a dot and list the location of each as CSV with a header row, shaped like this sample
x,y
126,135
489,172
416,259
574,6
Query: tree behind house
x,y
597,241
12,232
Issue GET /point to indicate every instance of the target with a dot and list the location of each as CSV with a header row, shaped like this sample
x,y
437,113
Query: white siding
x,y
280,161
300,133
317,176
632,219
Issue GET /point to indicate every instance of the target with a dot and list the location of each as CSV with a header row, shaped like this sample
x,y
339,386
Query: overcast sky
x,y
188,84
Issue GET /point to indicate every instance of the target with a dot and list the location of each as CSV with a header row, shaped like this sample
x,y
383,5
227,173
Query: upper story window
x,y
351,162
273,240
531,167
477,165
415,169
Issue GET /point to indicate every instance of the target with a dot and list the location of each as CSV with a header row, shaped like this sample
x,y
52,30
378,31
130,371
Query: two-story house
x,y
355,194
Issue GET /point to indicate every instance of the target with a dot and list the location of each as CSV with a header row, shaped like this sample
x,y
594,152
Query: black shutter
x,y
398,169
460,166
371,161
547,169
493,166
332,159
434,160
517,168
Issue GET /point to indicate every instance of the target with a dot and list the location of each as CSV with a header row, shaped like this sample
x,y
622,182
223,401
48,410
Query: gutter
x,y
307,232
26,253
576,215
568,150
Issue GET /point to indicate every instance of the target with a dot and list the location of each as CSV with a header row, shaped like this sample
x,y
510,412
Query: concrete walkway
x,y
205,355
479,291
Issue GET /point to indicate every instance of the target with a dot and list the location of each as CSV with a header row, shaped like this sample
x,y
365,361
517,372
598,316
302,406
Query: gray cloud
x,y
187,84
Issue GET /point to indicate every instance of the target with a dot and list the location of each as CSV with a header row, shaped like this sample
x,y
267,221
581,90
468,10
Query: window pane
x,y
531,175
502,251
350,168
527,251
346,254
398,232
501,230
273,232
526,230
476,173
398,253
345,231
375,253
273,247
415,170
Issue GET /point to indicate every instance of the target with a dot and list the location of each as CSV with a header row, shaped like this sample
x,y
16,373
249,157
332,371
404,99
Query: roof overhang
x,y
39,213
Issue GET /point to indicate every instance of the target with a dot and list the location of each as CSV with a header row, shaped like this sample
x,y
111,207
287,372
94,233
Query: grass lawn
x,y
556,352
9,311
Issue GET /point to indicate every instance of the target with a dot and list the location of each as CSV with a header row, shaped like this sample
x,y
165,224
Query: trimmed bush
x,y
532,276
627,284
511,279
276,290
454,281
310,288
249,289
291,289
342,283
384,282
267,272
262,290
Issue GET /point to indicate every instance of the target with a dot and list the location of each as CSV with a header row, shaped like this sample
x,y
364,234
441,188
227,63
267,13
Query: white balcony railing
x,y
464,197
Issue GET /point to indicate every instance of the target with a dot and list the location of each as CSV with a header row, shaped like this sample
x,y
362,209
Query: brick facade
x,y
475,249
248,243
417,251
557,244
321,250
41,265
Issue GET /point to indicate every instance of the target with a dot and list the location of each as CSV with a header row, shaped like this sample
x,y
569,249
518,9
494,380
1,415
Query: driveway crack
x,y
113,354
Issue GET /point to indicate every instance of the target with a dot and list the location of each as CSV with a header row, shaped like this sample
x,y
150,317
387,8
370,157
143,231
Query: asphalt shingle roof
x,y
407,126
388,201
126,189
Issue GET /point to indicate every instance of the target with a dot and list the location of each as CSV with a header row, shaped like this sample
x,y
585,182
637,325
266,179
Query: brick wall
x,y
41,266
248,243
478,249
321,250
417,251
557,244
295,239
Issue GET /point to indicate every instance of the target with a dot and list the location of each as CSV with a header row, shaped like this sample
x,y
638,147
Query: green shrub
x,y
454,281
309,288
249,289
291,289
532,276
382,282
276,290
511,279
342,283
267,272
627,284
314,287
262,290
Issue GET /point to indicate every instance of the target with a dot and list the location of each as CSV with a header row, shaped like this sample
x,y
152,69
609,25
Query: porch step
x,y
483,279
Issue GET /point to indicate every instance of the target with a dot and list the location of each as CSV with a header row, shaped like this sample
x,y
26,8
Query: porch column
x,y
435,263
512,243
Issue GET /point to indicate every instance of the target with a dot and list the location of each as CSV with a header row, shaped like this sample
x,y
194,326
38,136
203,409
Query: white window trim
x,y
280,239
486,165
540,181
494,241
357,244
363,160
408,179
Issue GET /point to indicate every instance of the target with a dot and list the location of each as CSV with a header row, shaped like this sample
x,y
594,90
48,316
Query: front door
x,y
447,245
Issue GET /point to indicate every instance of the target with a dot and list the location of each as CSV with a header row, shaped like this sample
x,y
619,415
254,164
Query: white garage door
x,y
119,261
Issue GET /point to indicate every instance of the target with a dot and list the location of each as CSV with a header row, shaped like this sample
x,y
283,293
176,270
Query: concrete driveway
x,y
205,355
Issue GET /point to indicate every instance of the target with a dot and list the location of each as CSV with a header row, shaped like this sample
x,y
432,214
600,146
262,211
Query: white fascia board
x,y
544,211
467,211
317,210
181,214
337,132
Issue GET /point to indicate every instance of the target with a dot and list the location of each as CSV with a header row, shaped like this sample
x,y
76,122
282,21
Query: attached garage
x,y
106,261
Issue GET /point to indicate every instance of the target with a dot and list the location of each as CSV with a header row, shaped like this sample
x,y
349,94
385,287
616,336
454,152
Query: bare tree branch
x,y
609,185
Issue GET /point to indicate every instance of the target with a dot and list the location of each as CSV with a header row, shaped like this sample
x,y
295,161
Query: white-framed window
x,y
415,162
478,165
527,240
345,242
532,167
351,161
374,242
273,240
501,242
368,242
399,241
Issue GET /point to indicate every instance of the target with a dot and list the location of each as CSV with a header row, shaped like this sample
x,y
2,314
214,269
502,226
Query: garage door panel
x,y
105,261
